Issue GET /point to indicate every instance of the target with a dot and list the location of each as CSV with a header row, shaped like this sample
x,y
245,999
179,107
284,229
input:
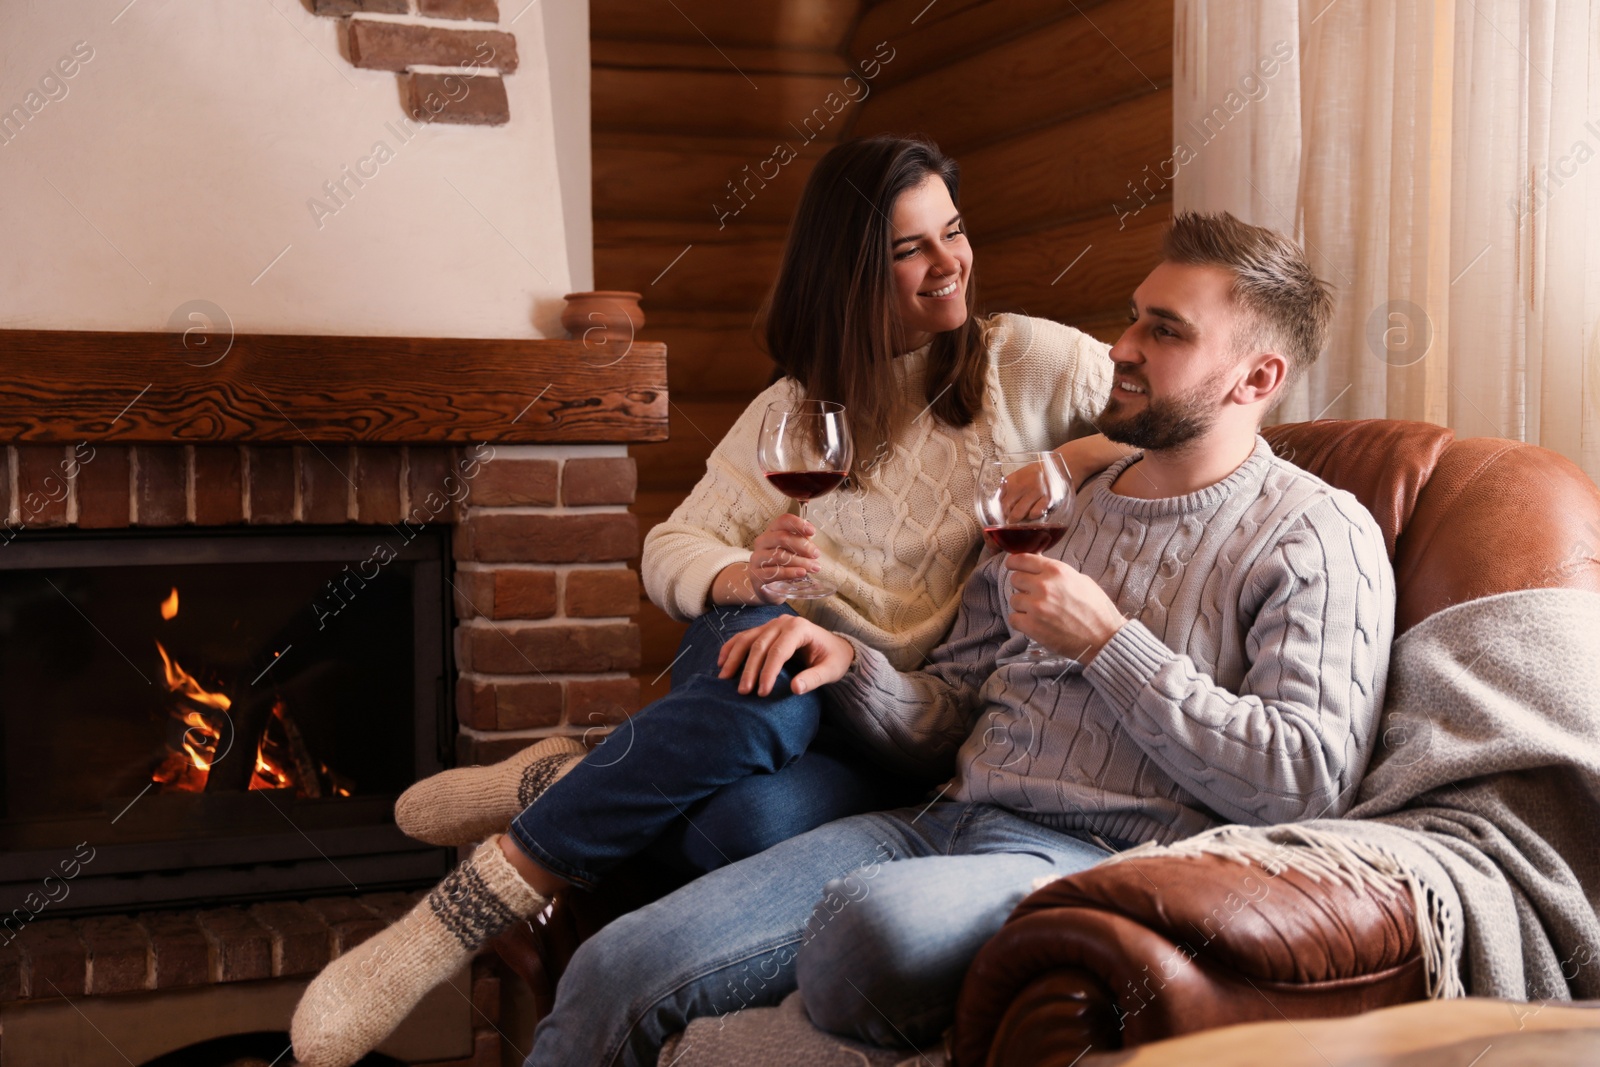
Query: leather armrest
x,y
1055,1018
1156,947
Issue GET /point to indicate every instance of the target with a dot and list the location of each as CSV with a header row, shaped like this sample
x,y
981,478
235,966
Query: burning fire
x,y
182,682
282,760
187,768
269,773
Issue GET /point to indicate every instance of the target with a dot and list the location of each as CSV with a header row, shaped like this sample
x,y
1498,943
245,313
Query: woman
x,y
872,308
901,539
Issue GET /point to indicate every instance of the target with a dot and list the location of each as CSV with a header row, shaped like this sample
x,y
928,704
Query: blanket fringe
x,y
1319,855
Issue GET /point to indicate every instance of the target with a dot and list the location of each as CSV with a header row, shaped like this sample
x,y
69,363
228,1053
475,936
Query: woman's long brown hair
x,y
831,318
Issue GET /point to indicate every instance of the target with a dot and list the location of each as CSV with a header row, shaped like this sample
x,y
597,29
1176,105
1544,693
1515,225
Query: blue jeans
x,y
704,776
907,897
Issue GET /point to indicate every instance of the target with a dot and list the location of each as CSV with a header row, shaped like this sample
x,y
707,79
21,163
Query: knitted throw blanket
x,y
1482,800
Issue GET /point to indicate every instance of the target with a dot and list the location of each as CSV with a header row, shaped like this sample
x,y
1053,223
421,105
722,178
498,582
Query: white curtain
x,y
1440,161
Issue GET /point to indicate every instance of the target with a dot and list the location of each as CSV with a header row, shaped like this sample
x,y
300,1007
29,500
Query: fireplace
x,y
219,714
216,681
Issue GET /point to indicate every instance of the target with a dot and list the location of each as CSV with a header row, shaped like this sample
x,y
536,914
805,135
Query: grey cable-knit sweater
x,y
1245,688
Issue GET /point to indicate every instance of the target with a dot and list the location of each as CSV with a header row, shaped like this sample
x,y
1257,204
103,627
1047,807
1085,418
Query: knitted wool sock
x,y
360,998
467,804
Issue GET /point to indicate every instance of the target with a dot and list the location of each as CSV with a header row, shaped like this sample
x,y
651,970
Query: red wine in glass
x,y
1024,537
1023,501
805,485
805,451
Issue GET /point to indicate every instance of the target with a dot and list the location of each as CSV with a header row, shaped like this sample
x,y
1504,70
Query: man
x,y
1221,622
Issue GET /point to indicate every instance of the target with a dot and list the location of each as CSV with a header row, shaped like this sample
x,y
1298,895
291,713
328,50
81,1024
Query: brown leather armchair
x,y
1091,961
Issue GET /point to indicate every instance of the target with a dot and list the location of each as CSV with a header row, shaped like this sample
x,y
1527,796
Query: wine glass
x,y
1023,501
805,452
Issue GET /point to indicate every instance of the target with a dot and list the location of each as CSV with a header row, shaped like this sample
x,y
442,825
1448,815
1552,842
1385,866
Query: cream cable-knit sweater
x,y
901,538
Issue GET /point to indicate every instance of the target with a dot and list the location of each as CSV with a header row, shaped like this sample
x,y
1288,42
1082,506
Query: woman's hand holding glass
x,y
782,552
1026,494
804,449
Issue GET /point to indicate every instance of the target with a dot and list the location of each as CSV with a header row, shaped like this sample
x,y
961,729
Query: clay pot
x,y
605,320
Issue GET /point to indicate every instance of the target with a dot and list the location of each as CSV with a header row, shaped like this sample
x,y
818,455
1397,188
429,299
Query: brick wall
x,y
117,486
181,949
447,74
543,593
545,598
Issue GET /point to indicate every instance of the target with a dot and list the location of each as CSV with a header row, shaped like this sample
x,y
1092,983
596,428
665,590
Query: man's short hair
x,y
1290,307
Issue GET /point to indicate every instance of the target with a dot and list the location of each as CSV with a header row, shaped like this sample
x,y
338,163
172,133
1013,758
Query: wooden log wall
x,y
1054,110
1061,117
687,98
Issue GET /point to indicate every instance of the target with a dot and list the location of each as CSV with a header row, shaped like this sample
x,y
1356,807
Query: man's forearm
x,y
917,719
1250,758
913,720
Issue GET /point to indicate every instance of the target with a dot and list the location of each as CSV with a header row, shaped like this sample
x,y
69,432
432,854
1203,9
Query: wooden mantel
x,y
147,388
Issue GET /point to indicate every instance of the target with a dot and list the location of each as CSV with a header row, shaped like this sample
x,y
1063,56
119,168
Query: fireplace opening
x,y
204,716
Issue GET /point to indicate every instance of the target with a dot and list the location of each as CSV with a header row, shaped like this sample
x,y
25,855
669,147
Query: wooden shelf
x,y
142,388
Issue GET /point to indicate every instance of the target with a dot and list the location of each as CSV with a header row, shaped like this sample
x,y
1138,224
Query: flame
x,y
281,758
182,682
272,766
200,741
187,768
268,774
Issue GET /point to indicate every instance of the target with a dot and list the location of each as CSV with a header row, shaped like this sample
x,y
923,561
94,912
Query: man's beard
x,y
1165,423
